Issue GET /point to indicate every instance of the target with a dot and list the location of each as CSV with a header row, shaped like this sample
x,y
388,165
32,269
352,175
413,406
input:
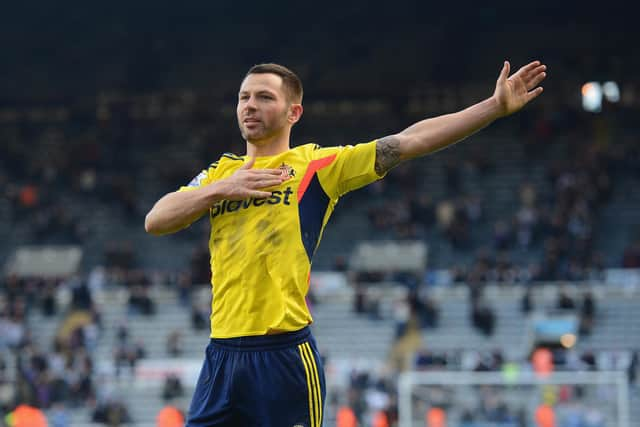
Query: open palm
x,y
513,93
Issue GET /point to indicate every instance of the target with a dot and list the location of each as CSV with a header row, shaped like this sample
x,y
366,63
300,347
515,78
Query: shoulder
x,y
315,151
227,157
228,160
305,148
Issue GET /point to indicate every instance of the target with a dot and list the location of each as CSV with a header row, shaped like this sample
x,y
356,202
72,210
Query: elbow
x,y
150,226
157,228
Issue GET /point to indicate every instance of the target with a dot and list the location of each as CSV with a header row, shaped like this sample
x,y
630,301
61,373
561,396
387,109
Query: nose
x,y
250,103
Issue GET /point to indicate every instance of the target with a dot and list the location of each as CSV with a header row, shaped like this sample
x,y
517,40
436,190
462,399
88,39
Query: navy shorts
x,y
261,381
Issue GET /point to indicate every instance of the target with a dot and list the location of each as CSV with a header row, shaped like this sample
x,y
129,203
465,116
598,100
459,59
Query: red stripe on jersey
x,y
314,166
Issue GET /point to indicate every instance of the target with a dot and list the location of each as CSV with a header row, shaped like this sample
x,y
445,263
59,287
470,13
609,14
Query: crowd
x,y
62,376
120,149
57,375
371,393
550,230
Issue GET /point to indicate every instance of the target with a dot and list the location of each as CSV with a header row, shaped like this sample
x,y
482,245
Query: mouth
x,y
250,121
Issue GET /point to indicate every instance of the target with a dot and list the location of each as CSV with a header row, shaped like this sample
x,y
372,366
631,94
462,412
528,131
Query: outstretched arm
x,y
430,135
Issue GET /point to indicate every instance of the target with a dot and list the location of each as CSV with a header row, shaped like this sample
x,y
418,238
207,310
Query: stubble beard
x,y
264,133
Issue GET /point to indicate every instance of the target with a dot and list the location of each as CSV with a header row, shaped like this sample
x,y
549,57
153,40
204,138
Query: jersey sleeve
x,y
346,168
205,177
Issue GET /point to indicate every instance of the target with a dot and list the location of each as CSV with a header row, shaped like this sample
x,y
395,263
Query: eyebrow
x,y
259,92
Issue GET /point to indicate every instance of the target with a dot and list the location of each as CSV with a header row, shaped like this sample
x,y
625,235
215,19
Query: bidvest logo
x,y
226,206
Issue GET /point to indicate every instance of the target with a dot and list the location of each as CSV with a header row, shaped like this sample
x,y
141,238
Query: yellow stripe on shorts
x,y
316,381
310,393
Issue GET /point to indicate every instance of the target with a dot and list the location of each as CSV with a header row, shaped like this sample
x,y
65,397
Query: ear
x,y
295,112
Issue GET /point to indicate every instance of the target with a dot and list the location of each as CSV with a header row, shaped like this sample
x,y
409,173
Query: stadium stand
x,y
543,203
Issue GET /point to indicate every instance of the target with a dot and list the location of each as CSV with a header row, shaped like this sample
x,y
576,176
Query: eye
x,y
266,97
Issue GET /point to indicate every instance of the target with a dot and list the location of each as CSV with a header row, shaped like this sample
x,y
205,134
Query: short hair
x,y
290,81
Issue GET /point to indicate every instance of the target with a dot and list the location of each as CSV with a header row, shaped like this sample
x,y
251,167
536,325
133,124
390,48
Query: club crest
x,y
287,171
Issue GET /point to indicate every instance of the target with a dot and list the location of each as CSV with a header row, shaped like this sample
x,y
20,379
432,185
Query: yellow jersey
x,y
261,249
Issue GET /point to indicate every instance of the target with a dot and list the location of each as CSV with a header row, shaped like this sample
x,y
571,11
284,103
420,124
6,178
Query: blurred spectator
x,y
564,301
482,317
172,388
80,295
445,212
373,304
424,308
401,314
112,413
458,232
199,318
587,313
360,298
526,304
185,286
126,356
473,208
49,306
174,343
632,370
140,301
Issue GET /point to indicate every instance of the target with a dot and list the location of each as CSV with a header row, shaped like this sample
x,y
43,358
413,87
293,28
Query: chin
x,y
258,138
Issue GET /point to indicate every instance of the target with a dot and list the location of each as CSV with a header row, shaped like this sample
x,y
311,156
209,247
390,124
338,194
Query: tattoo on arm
x,y
387,154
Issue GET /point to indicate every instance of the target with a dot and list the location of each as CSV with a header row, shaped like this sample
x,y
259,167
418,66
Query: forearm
x,y
177,210
430,135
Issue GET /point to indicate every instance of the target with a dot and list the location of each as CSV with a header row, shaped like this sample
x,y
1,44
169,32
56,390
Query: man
x,y
267,211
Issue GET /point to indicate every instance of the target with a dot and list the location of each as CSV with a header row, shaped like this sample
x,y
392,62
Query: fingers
x,y
277,172
528,74
534,93
259,194
259,174
504,73
253,175
529,67
265,183
535,80
534,72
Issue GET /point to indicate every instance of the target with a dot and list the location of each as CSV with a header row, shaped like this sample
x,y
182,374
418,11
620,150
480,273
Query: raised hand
x,y
247,182
513,93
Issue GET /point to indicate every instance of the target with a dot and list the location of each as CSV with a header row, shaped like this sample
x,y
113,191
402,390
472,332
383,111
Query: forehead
x,y
258,82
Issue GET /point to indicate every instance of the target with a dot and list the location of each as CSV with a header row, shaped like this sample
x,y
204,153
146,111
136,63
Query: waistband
x,y
263,342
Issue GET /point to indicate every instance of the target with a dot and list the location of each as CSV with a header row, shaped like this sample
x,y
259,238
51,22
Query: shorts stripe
x,y
317,381
312,384
309,387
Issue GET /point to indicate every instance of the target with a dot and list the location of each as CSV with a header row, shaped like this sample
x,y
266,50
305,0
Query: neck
x,y
269,147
